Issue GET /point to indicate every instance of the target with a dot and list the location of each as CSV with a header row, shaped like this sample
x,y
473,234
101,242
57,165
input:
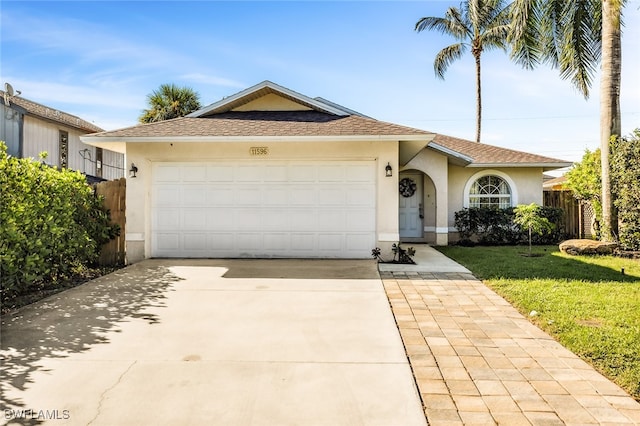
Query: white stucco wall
x,y
145,154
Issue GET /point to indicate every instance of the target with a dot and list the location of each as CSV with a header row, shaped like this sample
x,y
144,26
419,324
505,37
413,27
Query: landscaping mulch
x,y
46,289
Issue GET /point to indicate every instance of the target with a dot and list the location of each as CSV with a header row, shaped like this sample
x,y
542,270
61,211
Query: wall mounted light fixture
x,y
388,171
133,170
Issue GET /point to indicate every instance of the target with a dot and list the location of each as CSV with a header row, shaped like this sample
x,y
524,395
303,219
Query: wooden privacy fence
x,y
114,193
577,216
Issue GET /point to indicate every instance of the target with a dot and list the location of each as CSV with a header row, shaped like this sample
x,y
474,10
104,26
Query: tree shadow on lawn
x,y
508,262
73,321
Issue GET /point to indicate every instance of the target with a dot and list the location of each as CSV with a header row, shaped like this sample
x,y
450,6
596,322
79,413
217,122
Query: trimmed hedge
x,y
494,226
51,224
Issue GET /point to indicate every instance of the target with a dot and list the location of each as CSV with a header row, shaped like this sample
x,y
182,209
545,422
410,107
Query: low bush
x,y
493,226
51,224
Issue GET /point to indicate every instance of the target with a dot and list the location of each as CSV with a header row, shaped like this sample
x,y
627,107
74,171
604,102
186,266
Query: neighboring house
x,y
29,128
269,172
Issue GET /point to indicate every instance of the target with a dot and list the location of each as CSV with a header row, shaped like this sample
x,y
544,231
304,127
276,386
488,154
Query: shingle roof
x,y
483,154
265,123
51,114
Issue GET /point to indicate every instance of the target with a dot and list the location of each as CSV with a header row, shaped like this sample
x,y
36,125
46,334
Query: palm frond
x,y
451,24
446,56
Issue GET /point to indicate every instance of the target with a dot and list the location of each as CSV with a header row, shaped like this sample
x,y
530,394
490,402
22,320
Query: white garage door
x,y
260,209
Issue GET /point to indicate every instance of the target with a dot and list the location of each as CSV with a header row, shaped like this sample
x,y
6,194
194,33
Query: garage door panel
x,y
167,219
249,242
330,243
273,220
219,220
168,242
194,173
303,196
219,196
359,220
303,242
220,173
167,173
249,196
332,196
331,173
275,173
194,195
249,173
195,241
275,196
166,195
194,219
246,219
277,242
303,220
261,209
331,220
221,241
302,174
363,196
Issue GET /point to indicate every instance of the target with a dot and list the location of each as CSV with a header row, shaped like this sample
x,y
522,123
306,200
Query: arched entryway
x,y
417,207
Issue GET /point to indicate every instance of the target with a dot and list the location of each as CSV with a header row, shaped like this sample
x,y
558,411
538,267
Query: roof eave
x,y
455,155
543,165
210,139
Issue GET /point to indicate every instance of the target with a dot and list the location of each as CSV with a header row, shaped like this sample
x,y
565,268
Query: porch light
x,y
388,171
133,170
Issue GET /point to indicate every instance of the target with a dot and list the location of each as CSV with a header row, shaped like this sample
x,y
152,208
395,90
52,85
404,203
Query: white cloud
x,y
46,92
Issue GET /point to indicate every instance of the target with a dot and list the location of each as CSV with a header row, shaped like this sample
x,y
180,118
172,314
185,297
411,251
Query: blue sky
x,y
99,60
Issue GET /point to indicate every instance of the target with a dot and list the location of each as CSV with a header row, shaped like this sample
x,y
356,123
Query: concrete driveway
x,y
221,342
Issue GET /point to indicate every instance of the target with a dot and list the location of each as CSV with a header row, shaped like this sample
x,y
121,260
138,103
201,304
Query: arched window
x,y
490,191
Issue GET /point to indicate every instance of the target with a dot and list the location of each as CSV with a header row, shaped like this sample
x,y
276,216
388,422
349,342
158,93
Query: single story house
x,y
29,128
269,172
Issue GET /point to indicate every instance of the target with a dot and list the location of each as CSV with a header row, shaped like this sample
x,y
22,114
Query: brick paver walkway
x,y
477,360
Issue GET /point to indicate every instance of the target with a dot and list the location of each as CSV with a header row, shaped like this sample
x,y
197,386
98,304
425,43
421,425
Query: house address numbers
x,y
259,150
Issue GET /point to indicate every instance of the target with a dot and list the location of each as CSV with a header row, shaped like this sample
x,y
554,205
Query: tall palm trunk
x,y
609,107
478,99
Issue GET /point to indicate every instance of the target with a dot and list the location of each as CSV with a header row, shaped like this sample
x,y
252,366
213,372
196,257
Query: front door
x,y
411,209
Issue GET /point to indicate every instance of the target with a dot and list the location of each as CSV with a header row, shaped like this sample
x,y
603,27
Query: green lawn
x,y
585,302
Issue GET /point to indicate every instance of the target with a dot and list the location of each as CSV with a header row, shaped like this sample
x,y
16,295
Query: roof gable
x,y
253,93
271,102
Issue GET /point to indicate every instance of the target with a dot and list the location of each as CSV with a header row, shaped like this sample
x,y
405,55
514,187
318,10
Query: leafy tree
x,y
584,181
573,36
170,101
529,217
477,24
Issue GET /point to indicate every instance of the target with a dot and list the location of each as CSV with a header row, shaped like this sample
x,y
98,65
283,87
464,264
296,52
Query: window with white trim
x,y
490,191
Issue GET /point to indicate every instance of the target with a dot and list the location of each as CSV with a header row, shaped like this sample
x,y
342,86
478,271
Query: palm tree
x,y
478,24
170,101
574,36
610,123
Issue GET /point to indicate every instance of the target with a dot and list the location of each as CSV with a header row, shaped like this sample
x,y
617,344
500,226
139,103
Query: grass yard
x,y
585,302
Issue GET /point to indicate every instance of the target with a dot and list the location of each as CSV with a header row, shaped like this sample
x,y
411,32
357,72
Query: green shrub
x,y
50,223
493,226
625,175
